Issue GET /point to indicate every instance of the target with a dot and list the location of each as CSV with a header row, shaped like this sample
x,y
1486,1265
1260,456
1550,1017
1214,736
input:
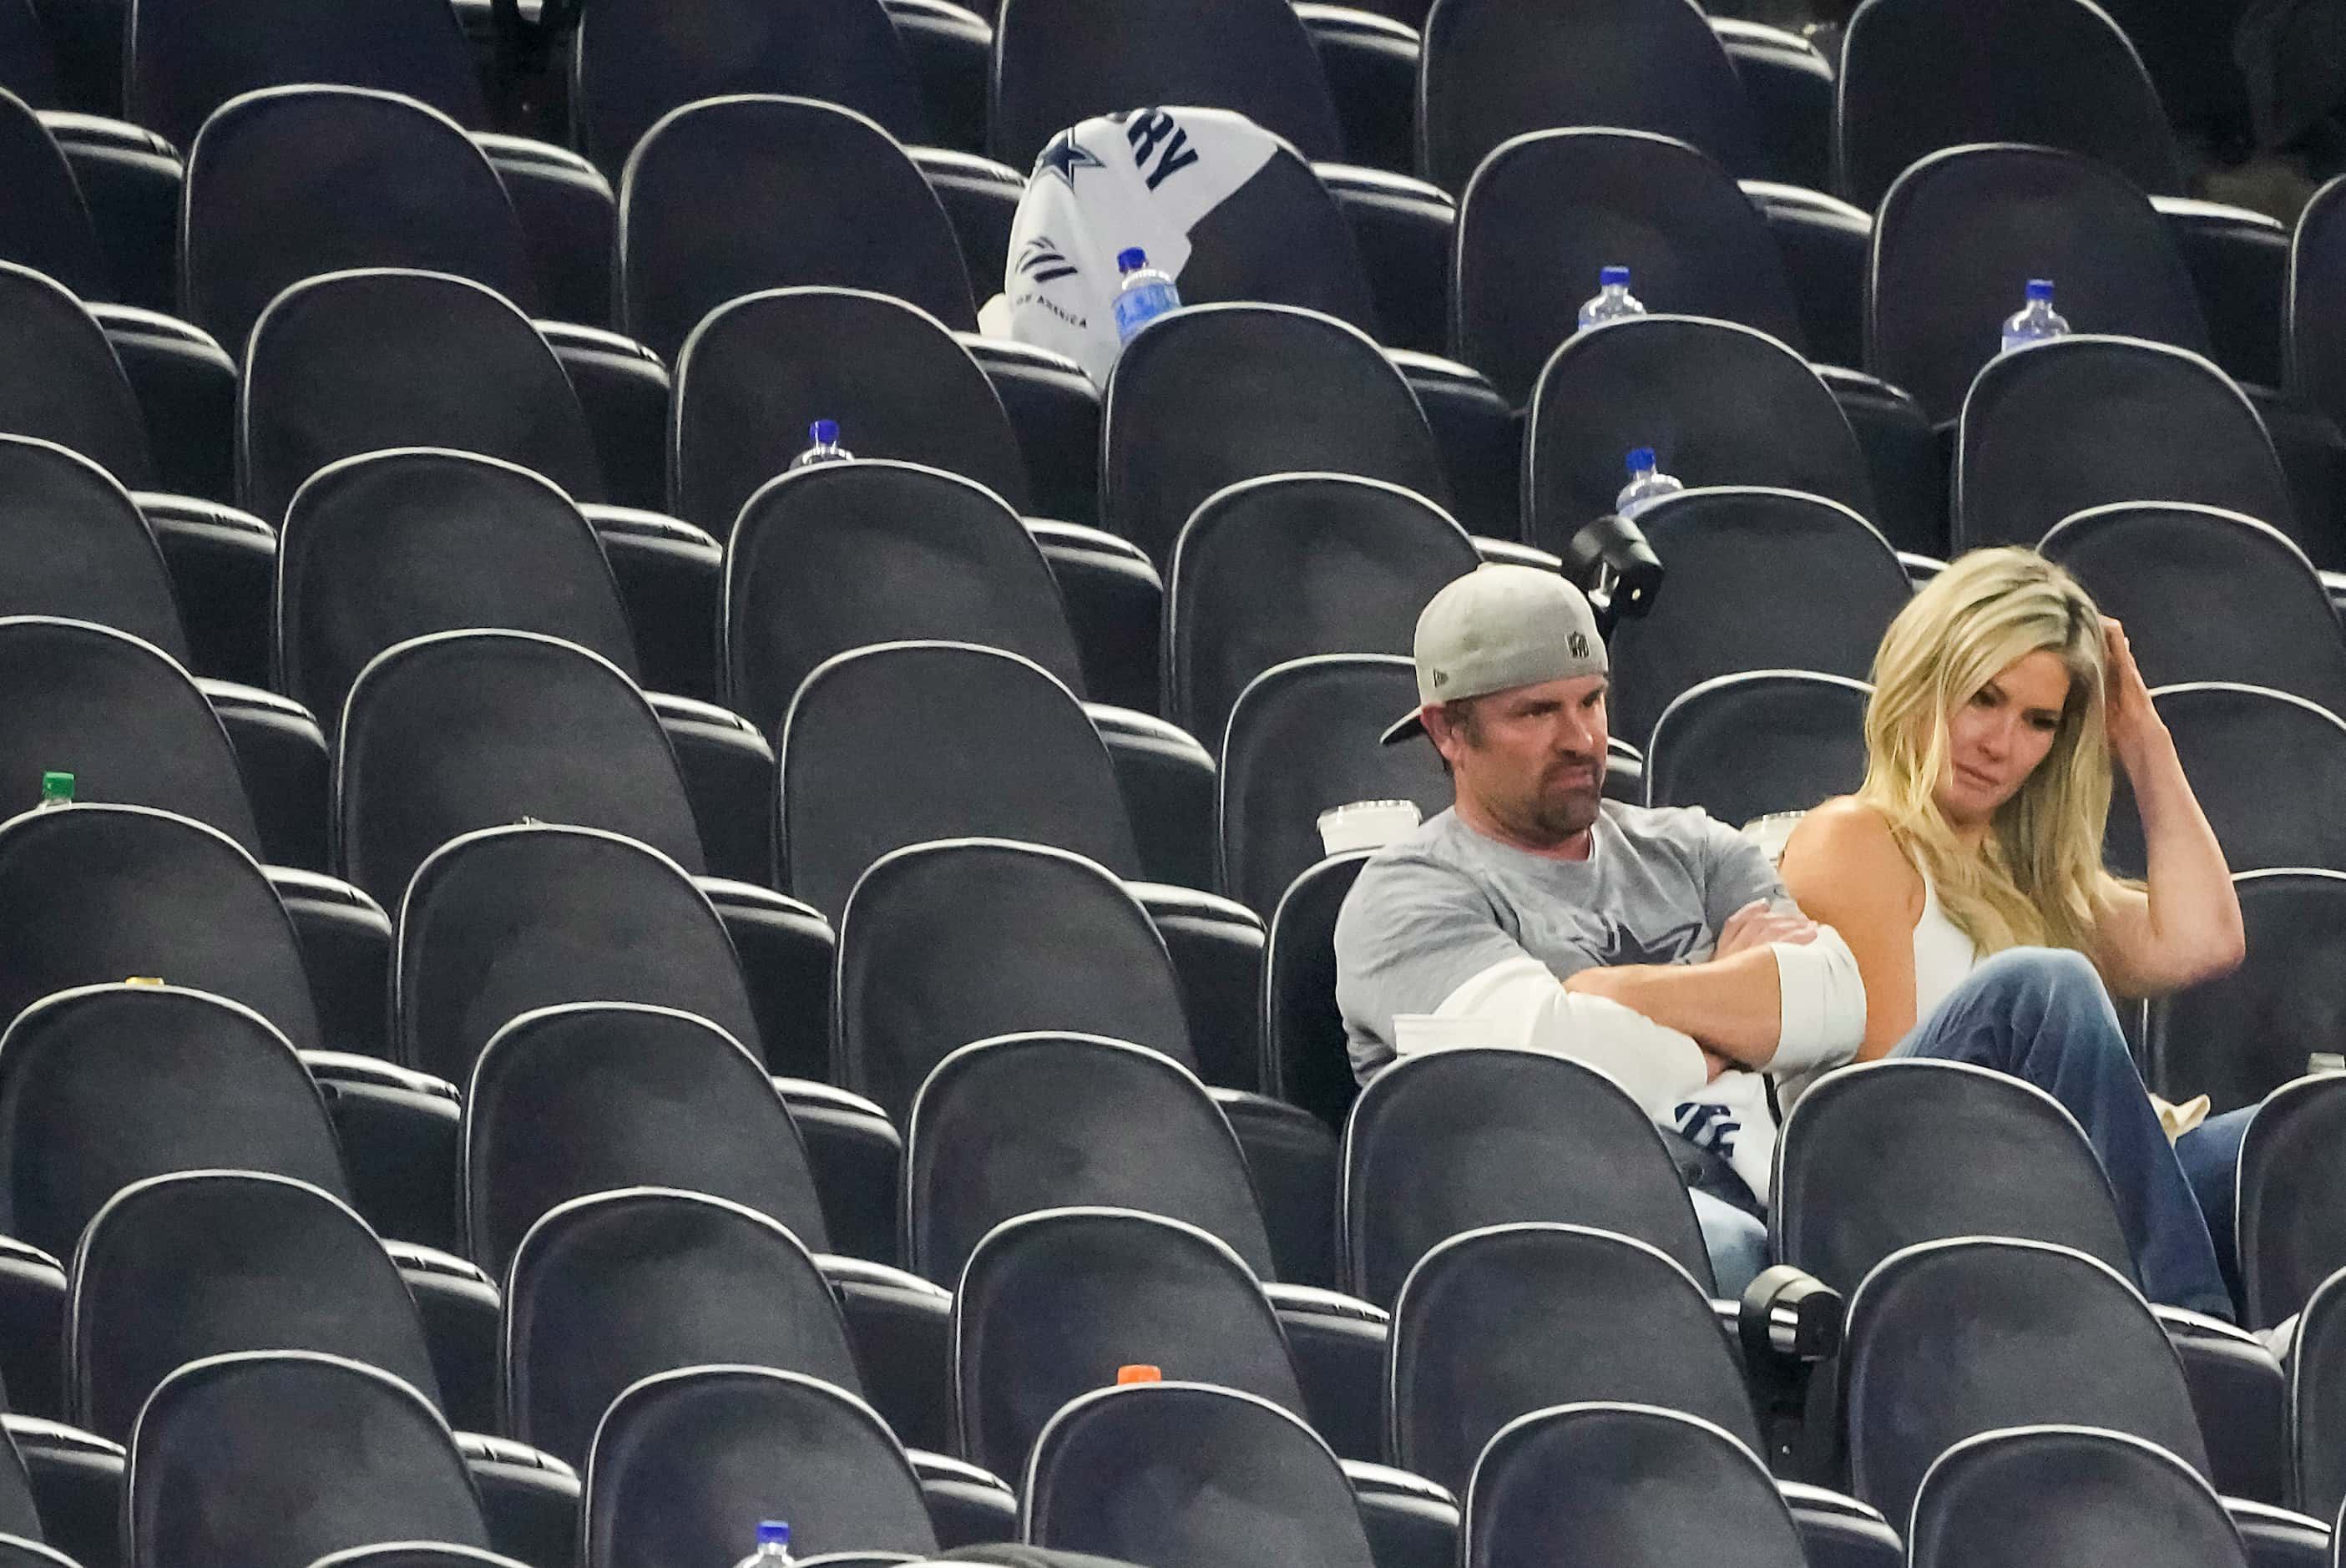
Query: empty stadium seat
x,y
1760,743
2102,420
1305,1058
759,370
2014,1165
45,225
1622,1483
1961,232
216,1463
1548,210
290,183
1219,393
2234,742
1028,764
2315,350
1303,738
105,1081
844,555
633,64
1921,75
95,893
71,388
1056,62
2240,1036
2157,567
364,361
2317,1401
1757,579
2060,1336
200,1263
1454,1140
589,1096
454,731
2290,1169
1188,1475
1054,1302
510,919
1124,1125
1291,566
1720,405
133,729
395,544
726,198
2013,1497
1493,69
1501,1320
613,1287
683,1458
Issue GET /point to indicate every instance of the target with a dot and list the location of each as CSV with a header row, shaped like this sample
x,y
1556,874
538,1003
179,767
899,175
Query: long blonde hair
x,y
2040,875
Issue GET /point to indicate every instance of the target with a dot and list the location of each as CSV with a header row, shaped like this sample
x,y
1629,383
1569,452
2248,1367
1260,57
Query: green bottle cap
x,y
58,787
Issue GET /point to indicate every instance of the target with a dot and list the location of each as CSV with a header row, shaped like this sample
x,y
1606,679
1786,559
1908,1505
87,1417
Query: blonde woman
x,y
1965,875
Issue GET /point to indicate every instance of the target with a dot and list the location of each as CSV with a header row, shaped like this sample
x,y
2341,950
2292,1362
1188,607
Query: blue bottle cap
x,y
2040,287
824,432
1131,260
1611,277
773,1532
1641,460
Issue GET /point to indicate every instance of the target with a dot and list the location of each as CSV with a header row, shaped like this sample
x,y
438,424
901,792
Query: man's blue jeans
x,y
2042,1015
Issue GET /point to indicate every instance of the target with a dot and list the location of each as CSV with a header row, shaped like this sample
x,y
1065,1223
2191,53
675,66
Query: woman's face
x,y
1995,740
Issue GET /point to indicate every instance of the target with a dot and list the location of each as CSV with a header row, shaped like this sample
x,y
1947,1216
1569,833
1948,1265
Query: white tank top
x,y
1943,954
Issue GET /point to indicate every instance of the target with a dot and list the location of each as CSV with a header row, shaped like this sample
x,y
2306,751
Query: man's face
x,y
1531,759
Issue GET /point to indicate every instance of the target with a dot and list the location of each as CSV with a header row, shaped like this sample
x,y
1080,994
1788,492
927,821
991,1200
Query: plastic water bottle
x,y
1647,485
773,1547
1145,294
2037,321
823,433
56,790
1613,301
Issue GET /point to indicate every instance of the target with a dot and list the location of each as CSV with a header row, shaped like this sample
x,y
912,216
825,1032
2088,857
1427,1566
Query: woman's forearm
x,y
2194,914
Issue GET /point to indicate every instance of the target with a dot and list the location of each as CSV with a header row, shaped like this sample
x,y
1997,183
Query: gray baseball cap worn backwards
x,y
1496,629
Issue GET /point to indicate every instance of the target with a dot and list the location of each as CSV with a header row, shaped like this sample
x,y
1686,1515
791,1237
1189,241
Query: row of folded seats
x,y
1344,87
731,196
649,1304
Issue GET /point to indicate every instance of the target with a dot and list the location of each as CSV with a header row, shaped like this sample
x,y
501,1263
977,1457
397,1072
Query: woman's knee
x,y
2055,986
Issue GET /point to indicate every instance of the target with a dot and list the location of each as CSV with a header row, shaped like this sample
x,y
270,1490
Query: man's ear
x,y
1440,730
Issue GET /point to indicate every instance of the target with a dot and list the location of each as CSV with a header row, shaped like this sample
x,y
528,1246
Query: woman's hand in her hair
x,y
2126,707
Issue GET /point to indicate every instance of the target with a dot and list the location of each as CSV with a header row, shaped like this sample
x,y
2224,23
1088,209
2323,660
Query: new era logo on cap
x,y
1499,627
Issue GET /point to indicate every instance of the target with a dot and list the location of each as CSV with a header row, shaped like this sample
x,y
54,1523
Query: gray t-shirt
x,y
1437,908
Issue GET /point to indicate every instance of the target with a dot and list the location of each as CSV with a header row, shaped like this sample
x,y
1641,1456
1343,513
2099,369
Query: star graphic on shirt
x,y
1064,156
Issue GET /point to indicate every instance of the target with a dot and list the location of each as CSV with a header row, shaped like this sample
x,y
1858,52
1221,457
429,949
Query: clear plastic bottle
x,y
773,1547
1613,301
56,790
2037,321
824,435
1647,485
1145,294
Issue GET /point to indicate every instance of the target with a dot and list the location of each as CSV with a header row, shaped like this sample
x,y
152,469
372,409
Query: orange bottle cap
x,y
1138,1372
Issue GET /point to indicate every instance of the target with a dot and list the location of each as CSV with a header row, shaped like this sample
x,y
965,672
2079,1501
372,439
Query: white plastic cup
x,y
1366,824
1773,832
1415,1033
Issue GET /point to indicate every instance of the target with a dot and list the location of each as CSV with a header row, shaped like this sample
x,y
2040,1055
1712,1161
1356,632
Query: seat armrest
x,y
858,1157
280,754
529,1498
459,1306
1789,1314
967,1506
68,127
1920,568
1515,553
1366,1477
32,1327
78,1481
804,1094
481,1448
1825,1500
379,1074
2278,1537
1051,533
2334,585
1325,1303
1358,180
900,1328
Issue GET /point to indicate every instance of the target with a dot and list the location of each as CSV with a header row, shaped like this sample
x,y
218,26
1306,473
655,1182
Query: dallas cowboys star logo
x,y
1064,156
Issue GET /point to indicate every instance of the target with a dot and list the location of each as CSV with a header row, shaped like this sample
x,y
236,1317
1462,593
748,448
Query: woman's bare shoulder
x,y
1847,838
